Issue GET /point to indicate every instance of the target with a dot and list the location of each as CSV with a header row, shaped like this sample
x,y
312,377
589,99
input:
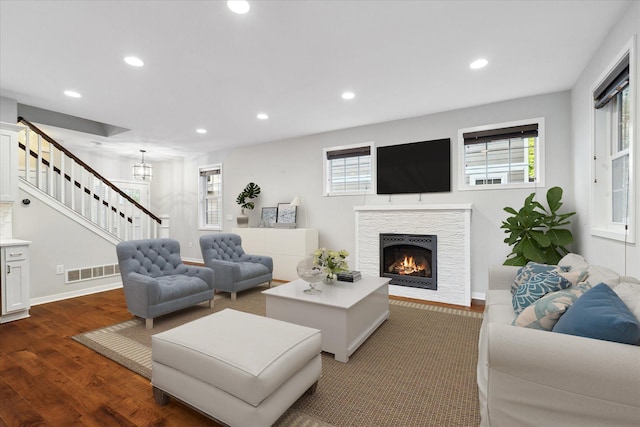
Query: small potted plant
x,y
251,191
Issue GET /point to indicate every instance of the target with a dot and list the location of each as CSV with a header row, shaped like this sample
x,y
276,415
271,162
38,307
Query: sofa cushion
x,y
600,314
545,312
599,274
629,293
537,280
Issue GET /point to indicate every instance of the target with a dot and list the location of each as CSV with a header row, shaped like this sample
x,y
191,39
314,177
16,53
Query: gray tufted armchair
x,y
155,280
235,271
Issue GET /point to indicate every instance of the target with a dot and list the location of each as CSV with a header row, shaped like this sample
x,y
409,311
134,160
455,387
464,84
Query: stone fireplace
x,y
451,223
409,259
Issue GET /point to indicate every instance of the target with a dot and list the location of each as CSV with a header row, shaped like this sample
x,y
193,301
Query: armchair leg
x,y
211,303
269,283
148,323
233,296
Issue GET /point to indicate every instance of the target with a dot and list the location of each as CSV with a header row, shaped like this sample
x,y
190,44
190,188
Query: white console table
x,y
286,246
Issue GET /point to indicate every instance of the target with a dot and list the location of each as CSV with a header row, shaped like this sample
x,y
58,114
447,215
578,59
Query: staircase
x,y
51,172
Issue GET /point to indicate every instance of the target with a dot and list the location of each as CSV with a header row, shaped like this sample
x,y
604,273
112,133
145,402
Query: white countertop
x,y
13,242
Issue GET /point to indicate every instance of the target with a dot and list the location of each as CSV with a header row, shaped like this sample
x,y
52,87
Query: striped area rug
x,y
417,369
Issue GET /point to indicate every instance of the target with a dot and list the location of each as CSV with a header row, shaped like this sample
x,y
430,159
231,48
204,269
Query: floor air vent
x,y
89,273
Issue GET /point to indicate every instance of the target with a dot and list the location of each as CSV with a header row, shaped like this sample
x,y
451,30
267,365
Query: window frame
x,y
326,172
539,157
602,223
202,194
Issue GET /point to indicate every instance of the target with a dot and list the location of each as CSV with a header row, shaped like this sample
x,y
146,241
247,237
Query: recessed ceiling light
x,y
72,94
134,61
201,130
348,95
478,63
262,116
238,6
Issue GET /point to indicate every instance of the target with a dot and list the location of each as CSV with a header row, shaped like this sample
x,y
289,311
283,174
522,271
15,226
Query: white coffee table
x,y
346,313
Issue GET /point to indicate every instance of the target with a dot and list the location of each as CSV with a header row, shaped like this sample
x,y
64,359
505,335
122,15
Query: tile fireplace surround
x,y
450,222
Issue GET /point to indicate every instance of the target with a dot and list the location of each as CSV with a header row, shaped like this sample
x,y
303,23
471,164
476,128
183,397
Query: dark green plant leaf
x,y
518,260
553,198
560,237
541,239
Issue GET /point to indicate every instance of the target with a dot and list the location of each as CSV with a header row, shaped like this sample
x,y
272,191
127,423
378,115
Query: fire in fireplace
x,y
409,260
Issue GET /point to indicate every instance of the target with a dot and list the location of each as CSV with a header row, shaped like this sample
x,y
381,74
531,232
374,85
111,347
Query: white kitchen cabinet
x,y
286,246
14,274
9,162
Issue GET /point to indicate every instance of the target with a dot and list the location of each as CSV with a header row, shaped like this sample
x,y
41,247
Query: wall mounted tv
x,y
417,167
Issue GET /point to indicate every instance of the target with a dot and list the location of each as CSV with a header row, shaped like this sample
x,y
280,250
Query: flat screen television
x,y
417,167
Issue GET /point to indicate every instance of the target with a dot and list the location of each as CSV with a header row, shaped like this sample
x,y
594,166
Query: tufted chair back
x,y
150,257
222,247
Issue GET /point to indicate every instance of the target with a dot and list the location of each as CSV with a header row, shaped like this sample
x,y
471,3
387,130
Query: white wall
x,y
284,169
56,240
596,249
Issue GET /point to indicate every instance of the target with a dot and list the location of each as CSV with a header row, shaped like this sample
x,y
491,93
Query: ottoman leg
x,y
160,396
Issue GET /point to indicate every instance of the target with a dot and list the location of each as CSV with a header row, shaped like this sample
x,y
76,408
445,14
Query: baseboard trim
x,y
74,294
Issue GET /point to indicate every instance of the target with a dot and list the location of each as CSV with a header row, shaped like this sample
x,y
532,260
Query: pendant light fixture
x,y
142,171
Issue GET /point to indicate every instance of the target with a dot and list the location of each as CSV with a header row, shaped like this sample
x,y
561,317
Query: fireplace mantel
x,y
450,222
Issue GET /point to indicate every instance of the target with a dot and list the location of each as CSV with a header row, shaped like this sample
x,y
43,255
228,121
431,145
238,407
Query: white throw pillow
x,y
629,293
574,262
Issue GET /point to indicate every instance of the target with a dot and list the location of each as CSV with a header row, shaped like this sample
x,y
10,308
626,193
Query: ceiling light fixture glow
x,y
348,95
478,63
72,94
134,61
262,116
201,130
238,6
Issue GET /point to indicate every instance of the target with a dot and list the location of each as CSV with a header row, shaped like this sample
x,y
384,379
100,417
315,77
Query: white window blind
x,y
501,155
348,169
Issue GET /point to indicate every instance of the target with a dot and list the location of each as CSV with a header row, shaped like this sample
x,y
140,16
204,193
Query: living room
x,y
291,166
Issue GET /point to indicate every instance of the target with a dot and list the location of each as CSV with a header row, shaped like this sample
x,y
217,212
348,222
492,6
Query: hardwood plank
x,y
49,379
16,411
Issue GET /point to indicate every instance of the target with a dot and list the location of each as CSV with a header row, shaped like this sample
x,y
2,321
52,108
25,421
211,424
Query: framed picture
x,y
269,216
286,213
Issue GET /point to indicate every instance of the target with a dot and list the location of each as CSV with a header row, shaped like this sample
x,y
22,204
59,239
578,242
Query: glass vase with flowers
x,y
333,262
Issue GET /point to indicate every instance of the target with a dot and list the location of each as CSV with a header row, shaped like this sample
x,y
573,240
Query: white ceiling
x,y
207,67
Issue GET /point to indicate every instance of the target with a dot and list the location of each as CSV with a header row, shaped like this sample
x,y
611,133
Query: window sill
x,y
620,236
532,185
210,228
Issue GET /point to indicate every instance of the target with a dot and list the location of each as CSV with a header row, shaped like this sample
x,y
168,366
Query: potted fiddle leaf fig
x,y
251,191
537,233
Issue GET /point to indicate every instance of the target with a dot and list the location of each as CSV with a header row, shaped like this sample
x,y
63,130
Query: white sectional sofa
x,y
532,377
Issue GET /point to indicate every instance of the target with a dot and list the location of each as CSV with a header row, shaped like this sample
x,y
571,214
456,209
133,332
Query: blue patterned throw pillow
x,y
536,280
545,312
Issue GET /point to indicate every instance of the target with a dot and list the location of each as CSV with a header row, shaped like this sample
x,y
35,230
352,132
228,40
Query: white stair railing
x,y
48,166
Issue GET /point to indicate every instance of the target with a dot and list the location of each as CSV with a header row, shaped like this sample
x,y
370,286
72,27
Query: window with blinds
x,y
210,197
612,186
502,155
348,169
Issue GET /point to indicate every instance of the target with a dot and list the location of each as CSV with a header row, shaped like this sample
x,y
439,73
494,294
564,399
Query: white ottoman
x,y
238,368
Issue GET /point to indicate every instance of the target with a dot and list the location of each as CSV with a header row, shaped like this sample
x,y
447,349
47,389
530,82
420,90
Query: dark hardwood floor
x,y
48,379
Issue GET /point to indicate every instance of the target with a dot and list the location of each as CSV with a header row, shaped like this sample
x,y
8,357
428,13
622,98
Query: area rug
x,y
417,369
